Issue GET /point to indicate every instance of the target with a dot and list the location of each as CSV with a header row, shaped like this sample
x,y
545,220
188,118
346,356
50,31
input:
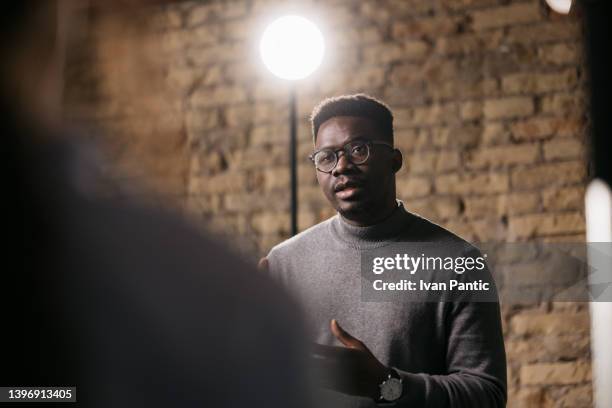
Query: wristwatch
x,y
391,389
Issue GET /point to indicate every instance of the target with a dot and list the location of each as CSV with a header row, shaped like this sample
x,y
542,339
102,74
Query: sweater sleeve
x,y
475,359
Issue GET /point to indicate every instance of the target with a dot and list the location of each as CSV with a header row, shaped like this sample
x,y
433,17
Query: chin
x,y
353,210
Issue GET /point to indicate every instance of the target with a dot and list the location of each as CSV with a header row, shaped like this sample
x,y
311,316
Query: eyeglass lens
x,y
326,159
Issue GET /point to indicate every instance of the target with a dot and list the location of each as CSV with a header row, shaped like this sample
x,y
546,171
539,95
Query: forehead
x,y
338,130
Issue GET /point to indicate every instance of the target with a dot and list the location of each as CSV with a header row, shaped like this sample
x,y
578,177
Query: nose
x,y
343,165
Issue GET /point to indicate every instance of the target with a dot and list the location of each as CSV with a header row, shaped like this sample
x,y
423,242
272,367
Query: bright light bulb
x,y
560,6
292,47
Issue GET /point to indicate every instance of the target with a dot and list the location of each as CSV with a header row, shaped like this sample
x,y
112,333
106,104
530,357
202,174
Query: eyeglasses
x,y
357,152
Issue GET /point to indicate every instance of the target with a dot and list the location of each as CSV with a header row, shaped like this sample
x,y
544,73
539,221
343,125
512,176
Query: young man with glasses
x,y
433,354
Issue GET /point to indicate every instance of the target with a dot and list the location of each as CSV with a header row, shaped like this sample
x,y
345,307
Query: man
x,y
130,305
413,354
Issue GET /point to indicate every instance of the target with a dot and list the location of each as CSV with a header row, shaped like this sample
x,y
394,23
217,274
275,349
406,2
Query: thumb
x,y
263,265
345,337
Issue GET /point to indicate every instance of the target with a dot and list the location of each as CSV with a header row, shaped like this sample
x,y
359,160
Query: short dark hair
x,y
360,105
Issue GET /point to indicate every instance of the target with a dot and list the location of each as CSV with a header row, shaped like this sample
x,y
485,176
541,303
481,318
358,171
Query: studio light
x,y
292,47
560,6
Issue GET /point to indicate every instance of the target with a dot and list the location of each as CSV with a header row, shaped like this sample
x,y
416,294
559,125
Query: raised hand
x,y
352,369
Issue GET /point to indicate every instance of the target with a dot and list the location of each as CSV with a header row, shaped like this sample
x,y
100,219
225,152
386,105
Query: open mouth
x,y
347,189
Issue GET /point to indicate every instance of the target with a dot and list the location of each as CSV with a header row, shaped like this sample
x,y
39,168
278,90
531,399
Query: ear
x,y
397,160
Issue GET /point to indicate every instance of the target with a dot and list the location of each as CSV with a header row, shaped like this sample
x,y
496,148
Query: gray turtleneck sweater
x,y
449,354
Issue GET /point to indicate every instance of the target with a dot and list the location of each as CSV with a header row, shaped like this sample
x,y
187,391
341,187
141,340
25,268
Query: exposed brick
x,y
361,35
546,127
559,54
402,118
406,73
172,19
385,53
521,203
549,323
447,160
543,32
199,204
460,45
563,104
216,54
534,82
421,162
526,398
500,156
269,223
306,219
446,207
426,27
216,10
203,35
270,134
276,178
409,139
471,110
311,195
495,134
534,225
373,11
563,149
472,183
545,175
435,115
455,136
507,15
412,186
224,182
218,96
245,202
479,207
457,5
200,120
508,107
512,203
571,198
557,345
462,89
555,373
181,79
581,396
365,78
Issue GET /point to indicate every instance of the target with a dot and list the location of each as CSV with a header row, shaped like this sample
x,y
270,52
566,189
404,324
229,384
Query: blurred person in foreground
x,y
407,354
130,305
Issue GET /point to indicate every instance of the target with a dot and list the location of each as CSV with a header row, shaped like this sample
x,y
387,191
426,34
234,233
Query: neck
x,y
374,217
371,236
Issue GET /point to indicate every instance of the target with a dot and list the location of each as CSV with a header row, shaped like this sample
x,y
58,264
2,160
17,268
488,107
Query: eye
x,y
359,150
325,157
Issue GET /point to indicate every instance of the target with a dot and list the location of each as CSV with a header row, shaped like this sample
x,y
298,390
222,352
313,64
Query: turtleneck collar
x,y
372,236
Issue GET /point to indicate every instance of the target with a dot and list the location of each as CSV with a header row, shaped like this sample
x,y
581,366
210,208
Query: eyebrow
x,y
360,138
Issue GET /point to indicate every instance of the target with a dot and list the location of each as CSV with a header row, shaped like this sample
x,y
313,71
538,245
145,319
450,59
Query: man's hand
x,y
352,369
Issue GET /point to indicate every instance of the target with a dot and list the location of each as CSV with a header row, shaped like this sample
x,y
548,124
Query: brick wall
x,y
490,113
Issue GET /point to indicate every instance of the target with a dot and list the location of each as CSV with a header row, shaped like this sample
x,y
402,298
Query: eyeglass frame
x,y
369,143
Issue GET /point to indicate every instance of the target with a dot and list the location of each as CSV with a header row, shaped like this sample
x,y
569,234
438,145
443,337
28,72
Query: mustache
x,y
347,182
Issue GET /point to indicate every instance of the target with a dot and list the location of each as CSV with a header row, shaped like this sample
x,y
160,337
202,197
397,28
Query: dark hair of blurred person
x,y
130,305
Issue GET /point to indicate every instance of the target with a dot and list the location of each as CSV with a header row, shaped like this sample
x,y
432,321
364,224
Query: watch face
x,y
391,389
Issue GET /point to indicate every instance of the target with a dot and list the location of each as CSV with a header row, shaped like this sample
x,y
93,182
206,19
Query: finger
x,y
335,353
345,337
263,265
